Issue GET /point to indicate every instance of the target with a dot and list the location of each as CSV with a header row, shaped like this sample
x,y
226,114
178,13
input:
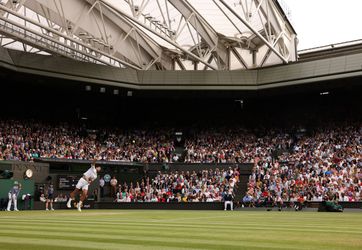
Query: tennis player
x,y
83,184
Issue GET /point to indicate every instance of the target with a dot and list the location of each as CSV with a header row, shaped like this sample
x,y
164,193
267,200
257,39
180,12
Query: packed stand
x,y
290,165
26,141
234,145
324,165
203,186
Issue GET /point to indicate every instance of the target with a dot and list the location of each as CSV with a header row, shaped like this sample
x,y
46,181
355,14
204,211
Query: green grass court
x,y
135,229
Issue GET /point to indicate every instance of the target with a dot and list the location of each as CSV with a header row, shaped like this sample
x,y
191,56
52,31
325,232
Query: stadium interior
x,y
97,111
185,105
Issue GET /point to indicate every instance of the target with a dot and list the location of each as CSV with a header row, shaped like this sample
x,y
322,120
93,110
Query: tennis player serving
x,y
83,184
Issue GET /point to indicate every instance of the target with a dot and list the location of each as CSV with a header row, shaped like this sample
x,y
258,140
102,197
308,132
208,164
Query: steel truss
x,y
131,35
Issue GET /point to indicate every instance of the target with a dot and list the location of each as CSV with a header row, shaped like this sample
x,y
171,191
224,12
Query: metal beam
x,y
253,30
25,36
203,28
98,22
107,32
239,57
162,37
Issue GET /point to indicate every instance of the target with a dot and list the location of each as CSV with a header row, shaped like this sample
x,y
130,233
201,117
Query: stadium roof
x,y
157,34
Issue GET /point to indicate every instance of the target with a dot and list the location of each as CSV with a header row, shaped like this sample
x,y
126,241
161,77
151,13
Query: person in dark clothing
x,y
50,198
228,200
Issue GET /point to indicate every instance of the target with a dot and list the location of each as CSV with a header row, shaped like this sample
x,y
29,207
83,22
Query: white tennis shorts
x,y
82,184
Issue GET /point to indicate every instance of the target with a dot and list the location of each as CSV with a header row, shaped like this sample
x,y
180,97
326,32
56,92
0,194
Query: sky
x,y
324,22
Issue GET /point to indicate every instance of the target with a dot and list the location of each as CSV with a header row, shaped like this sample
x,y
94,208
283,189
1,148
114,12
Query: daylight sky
x,y
323,22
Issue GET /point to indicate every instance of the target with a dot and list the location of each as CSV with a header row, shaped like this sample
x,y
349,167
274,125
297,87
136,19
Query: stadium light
x,y
129,93
241,103
88,88
115,92
102,90
324,93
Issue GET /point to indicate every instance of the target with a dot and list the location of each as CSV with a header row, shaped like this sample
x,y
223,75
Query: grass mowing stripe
x,y
51,222
181,227
29,246
281,218
292,239
154,243
125,233
120,237
189,229
228,237
56,225
38,243
134,221
153,220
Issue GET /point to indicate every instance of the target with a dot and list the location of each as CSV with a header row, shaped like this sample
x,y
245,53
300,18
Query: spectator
x,y
113,183
101,186
248,200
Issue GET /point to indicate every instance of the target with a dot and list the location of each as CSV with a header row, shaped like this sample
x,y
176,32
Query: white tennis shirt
x,y
91,173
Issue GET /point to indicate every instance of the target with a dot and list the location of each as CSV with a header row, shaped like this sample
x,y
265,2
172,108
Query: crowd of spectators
x,y
234,145
27,140
202,186
289,165
323,165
